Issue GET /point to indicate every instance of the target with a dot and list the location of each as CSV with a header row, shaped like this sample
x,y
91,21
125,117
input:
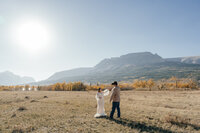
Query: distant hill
x,y
189,60
132,59
70,73
128,67
8,78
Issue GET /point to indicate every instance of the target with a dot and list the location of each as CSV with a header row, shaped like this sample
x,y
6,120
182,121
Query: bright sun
x,y
32,36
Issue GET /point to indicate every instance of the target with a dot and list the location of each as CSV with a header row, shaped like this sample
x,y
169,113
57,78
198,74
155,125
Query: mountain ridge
x,y
9,78
123,68
129,67
71,72
189,59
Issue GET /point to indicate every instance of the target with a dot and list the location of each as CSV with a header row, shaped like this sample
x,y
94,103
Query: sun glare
x,y
32,36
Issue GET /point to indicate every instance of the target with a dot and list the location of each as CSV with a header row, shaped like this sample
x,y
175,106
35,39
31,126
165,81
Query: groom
x,y
115,99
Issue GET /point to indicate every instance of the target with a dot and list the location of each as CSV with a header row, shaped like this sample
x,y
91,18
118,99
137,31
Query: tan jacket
x,y
115,94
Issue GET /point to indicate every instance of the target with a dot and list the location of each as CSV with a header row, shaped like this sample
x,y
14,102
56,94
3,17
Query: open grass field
x,y
142,111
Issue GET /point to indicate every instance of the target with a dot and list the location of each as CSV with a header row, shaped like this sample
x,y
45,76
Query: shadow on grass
x,y
181,124
140,126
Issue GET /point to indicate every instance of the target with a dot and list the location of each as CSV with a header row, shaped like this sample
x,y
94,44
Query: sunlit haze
x,y
32,36
41,37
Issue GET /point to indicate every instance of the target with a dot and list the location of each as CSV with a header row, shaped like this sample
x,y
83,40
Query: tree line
x,y
172,83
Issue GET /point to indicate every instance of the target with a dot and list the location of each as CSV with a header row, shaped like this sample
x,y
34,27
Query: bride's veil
x,y
106,92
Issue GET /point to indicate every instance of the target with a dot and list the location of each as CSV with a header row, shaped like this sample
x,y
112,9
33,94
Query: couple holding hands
x,y
114,98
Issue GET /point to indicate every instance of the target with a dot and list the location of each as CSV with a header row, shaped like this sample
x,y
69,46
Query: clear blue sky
x,y
87,31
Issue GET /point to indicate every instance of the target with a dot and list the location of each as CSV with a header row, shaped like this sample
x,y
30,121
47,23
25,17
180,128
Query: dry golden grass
x,y
142,111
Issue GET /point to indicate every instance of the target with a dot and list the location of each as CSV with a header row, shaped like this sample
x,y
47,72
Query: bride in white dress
x,y
100,102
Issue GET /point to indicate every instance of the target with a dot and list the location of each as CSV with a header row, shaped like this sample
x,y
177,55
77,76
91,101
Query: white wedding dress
x,y
100,103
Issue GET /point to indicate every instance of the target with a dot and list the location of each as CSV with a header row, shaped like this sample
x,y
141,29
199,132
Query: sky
x,y
80,33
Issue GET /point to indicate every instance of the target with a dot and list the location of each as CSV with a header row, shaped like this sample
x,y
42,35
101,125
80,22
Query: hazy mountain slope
x,y
112,64
8,78
132,59
129,73
189,60
70,73
127,68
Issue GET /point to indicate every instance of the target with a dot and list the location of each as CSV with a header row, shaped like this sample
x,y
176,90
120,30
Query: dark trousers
x,y
114,106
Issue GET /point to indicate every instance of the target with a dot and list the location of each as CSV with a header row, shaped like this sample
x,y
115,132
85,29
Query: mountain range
x,y
142,65
9,78
189,60
131,66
